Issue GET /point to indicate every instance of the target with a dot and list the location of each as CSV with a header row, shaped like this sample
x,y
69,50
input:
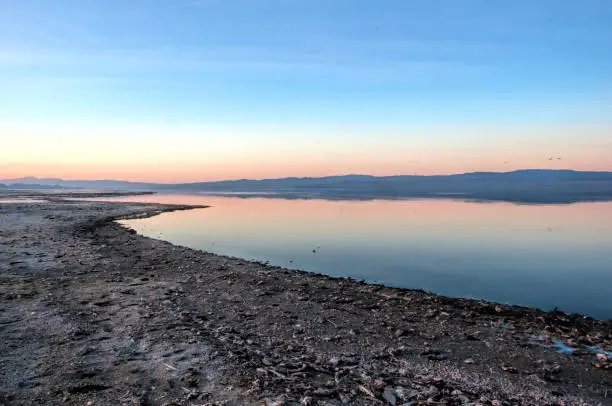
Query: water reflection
x,y
544,256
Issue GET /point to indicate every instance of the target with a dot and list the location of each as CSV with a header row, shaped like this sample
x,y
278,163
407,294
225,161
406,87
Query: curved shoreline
x,y
278,264
180,318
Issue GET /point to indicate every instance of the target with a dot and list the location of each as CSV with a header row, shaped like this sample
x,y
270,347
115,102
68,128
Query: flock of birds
x,y
552,158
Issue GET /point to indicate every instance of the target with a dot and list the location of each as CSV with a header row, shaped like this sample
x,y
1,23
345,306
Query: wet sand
x,y
92,313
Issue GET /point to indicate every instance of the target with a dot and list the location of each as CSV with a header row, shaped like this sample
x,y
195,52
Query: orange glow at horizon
x,y
167,155
176,173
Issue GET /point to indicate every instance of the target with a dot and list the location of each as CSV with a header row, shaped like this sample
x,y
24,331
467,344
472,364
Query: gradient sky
x,y
180,90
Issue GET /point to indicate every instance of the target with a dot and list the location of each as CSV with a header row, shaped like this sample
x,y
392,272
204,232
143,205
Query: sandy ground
x,y
93,314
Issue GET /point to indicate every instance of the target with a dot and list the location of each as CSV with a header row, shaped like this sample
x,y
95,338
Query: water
x,y
14,201
544,256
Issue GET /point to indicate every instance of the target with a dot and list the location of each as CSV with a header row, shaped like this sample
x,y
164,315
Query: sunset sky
x,y
187,90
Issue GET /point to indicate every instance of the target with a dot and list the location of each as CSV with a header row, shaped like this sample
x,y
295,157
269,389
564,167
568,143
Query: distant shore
x,y
536,186
92,312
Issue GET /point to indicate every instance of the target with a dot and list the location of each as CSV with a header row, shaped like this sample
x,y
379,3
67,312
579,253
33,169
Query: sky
x,y
189,90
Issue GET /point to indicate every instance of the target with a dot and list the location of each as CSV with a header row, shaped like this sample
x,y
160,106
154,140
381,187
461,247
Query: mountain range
x,y
528,185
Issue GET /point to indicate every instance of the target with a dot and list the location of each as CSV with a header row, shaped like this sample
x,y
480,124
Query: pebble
x,y
509,369
306,401
389,396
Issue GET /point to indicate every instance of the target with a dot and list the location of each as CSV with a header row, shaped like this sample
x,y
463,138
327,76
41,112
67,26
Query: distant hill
x,y
3,186
31,186
533,186
423,182
83,184
529,186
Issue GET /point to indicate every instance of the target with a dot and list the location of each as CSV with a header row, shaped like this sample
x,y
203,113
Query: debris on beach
x,y
124,319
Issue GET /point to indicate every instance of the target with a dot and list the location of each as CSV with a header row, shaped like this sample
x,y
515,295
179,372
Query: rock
x,y
401,393
510,369
389,395
306,401
366,391
552,369
463,399
437,357
279,401
431,391
469,361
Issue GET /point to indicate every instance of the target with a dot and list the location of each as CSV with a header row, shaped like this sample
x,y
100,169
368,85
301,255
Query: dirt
x,y
93,314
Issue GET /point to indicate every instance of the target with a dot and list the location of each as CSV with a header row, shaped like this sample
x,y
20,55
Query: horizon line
x,y
300,177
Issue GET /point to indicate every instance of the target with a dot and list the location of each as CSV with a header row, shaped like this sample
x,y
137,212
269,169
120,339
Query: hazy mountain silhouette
x,y
529,185
83,184
31,186
3,186
532,185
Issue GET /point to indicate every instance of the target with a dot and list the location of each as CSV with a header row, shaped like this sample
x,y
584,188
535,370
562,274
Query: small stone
x,y
469,361
431,391
509,369
401,393
279,401
306,401
437,357
389,396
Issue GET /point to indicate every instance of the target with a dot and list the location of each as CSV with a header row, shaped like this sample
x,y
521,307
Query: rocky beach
x,y
92,313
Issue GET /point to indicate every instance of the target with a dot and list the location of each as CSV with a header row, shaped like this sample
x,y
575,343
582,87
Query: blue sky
x,y
356,75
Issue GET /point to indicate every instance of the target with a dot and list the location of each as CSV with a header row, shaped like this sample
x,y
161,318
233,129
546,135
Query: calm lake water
x,y
542,256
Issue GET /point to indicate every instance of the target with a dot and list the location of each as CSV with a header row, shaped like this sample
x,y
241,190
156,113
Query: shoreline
x,y
160,322
268,265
